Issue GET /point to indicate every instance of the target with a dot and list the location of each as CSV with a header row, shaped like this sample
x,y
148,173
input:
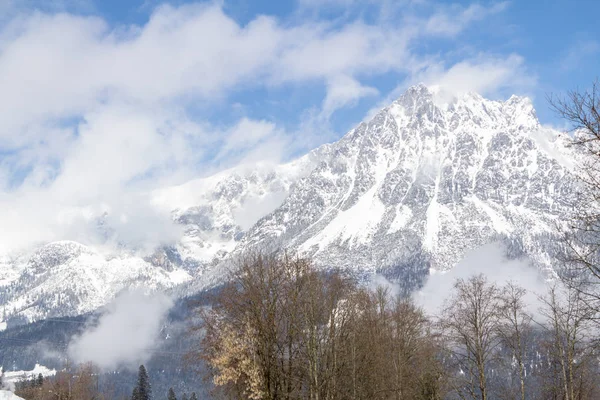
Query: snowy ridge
x,y
66,278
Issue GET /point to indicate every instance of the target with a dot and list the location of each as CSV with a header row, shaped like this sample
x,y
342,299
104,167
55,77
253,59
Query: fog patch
x,y
491,261
254,208
126,334
378,280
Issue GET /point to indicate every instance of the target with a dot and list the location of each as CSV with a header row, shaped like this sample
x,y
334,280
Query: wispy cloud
x,y
454,19
578,53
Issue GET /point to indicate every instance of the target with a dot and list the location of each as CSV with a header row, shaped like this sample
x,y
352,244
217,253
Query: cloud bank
x,y
126,334
96,115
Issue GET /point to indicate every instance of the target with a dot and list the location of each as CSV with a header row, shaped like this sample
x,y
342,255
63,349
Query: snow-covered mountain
x,y
424,182
414,188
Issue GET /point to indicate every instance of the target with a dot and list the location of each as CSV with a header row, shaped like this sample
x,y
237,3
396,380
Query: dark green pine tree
x,y
40,380
184,397
142,390
193,396
171,395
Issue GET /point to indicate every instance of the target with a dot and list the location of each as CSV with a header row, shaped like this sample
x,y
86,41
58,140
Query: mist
x,y
491,261
126,333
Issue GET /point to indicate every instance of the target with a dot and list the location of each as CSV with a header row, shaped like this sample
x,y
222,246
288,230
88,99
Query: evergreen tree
x,y
171,395
193,396
40,380
184,397
142,390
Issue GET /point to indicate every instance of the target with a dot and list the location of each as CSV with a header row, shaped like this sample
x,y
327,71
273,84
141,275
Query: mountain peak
x,y
415,96
449,110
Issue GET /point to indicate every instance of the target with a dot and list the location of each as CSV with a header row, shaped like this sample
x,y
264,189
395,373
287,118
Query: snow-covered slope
x,y
13,377
67,278
412,189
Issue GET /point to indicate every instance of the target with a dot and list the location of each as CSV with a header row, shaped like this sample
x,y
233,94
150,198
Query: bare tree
x,y
281,329
470,323
80,383
581,109
515,328
276,330
245,330
325,317
568,320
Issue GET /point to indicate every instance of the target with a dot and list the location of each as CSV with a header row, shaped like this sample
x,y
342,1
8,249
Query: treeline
x,y
82,383
281,329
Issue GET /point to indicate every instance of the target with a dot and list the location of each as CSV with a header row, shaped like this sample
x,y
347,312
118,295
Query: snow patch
x,y
179,276
6,395
499,223
401,219
13,377
358,223
555,146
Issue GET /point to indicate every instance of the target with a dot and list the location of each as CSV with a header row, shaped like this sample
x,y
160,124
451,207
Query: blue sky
x,y
559,39
103,100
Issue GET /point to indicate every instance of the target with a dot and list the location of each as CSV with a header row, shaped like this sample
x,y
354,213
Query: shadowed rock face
x,y
414,188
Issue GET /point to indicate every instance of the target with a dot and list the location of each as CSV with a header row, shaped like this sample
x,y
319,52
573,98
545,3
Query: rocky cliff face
x,y
412,189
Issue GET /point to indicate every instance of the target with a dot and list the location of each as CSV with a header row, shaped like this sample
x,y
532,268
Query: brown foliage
x,y
281,329
80,384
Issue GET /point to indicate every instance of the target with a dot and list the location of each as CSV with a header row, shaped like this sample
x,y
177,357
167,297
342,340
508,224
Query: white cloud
x,y
246,135
67,64
126,334
486,75
255,208
451,22
380,281
343,90
94,116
